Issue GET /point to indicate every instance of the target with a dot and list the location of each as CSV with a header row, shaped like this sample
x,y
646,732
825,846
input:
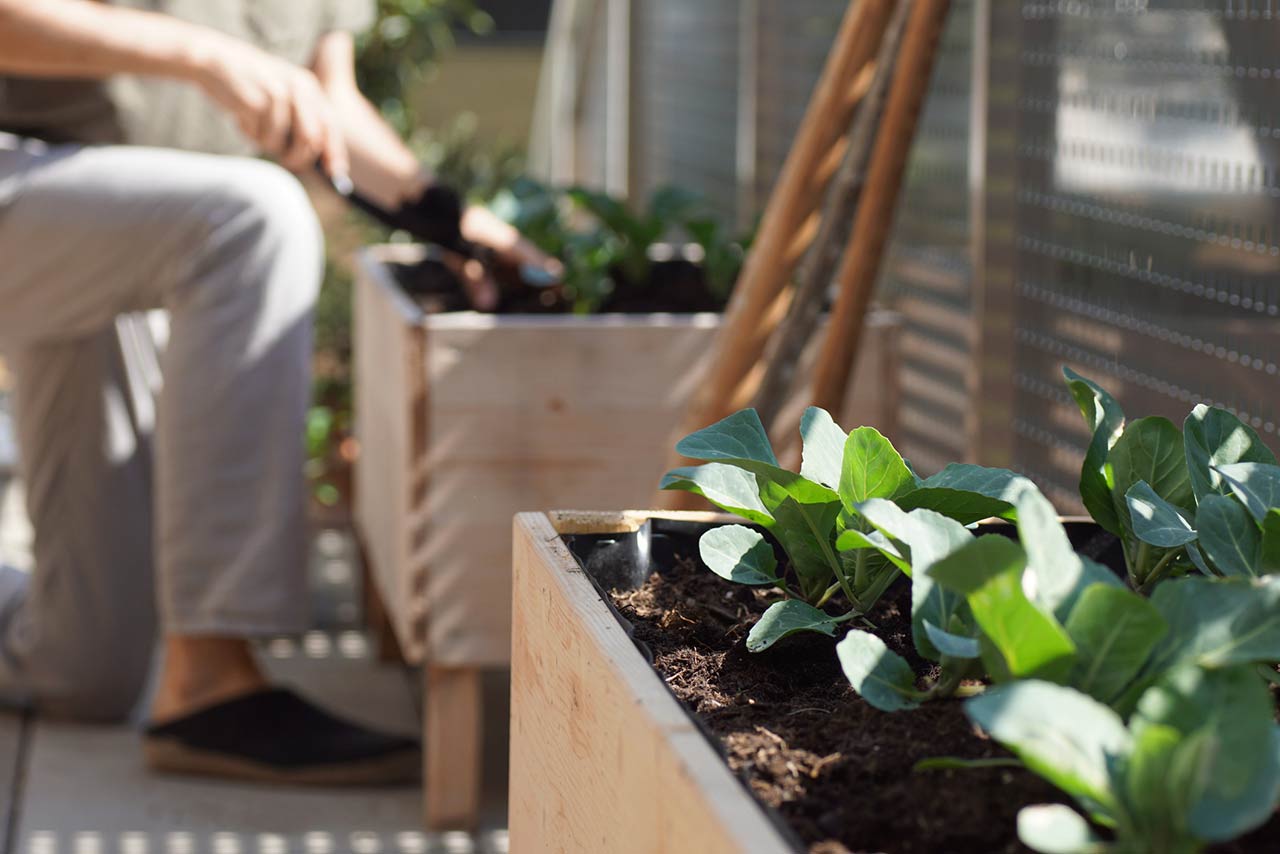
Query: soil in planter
x,y
838,770
676,285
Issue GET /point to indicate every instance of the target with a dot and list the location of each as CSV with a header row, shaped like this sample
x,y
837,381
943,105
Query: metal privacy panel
x,y
1144,215
685,98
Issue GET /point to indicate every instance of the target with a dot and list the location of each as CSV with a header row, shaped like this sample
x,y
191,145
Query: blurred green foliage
x,y
401,49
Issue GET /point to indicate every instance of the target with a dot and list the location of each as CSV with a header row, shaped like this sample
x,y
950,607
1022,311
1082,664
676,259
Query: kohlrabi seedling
x,y
1197,763
1205,497
834,554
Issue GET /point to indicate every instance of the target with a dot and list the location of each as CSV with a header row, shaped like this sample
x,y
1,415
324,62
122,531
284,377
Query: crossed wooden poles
x,y
828,219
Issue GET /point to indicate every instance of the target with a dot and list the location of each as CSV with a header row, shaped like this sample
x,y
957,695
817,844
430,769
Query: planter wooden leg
x,y
453,708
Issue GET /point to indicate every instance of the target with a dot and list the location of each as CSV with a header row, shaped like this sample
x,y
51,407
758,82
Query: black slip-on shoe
x,y
275,736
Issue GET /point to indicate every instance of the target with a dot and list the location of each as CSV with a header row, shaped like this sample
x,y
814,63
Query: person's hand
x,y
278,106
481,226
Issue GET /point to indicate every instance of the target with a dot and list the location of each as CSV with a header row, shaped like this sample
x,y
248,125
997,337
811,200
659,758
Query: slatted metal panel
x,y
685,98
1146,212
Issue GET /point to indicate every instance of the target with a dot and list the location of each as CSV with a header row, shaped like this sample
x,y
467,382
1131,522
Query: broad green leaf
x,y
951,645
786,618
853,540
922,537
1215,437
1065,736
988,573
1057,829
1257,485
968,493
877,673
1199,561
1155,520
806,532
1056,575
871,468
822,448
741,436
1150,449
1269,555
1114,631
1158,782
1228,535
1218,622
739,554
1106,421
728,487
1232,710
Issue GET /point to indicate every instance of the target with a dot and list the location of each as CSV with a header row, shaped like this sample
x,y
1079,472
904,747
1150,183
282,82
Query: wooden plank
x,y
87,789
453,747
603,757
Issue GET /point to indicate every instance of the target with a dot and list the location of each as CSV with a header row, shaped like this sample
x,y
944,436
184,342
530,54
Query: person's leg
x,y
80,642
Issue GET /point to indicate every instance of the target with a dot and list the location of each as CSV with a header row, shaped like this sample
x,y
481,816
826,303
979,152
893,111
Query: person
x,y
171,501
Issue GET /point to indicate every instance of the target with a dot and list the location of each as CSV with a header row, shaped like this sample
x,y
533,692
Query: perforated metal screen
x,y
1143,214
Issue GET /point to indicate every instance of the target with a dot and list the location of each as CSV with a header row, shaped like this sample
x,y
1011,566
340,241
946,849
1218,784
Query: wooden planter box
x,y
603,756
465,419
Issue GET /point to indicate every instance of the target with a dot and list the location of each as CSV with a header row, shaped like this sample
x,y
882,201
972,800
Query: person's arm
x,y
384,168
278,106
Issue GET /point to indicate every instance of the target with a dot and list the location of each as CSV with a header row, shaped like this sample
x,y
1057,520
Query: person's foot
x,y
274,736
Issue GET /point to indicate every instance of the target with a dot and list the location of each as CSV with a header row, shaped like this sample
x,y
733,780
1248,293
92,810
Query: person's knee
x,y
270,219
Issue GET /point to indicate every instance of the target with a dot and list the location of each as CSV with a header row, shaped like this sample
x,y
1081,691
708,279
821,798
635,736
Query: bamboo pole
x,y
787,225
838,212
861,264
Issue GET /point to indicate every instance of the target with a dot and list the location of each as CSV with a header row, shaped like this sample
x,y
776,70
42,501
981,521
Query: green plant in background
x,y
397,53
1197,763
1205,497
825,517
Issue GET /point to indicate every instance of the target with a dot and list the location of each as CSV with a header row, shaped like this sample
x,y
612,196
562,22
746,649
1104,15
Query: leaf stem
x,y
1138,572
826,596
1159,572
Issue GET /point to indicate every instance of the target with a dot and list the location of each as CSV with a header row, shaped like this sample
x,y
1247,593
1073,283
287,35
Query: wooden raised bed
x,y
465,419
603,756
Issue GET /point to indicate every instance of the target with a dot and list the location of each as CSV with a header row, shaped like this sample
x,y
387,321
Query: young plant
x,y
1198,762
1180,499
832,548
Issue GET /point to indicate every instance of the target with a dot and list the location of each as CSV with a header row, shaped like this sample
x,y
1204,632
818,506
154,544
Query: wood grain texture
x,y
861,264
603,757
452,750
466,419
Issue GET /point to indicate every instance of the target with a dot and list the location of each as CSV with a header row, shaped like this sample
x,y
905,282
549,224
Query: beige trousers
x,y
180,499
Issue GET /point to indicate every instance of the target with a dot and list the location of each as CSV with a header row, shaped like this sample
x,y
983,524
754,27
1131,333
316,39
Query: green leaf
x,y
988,573
1257,485
739,554
952,645
878,674
1106,419
1238,781
968,493
1199,561
1155,520
1057,829
1056,574
728,487
871,468
1229,536
853,540
1064,736
787,618
1269,556
1114,631
1215,437
741,436
1158,782
805,531
822,447
922,537
1150,449
1218,622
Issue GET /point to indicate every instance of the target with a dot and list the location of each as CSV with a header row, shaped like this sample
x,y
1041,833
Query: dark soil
x,y
837,770
675,286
